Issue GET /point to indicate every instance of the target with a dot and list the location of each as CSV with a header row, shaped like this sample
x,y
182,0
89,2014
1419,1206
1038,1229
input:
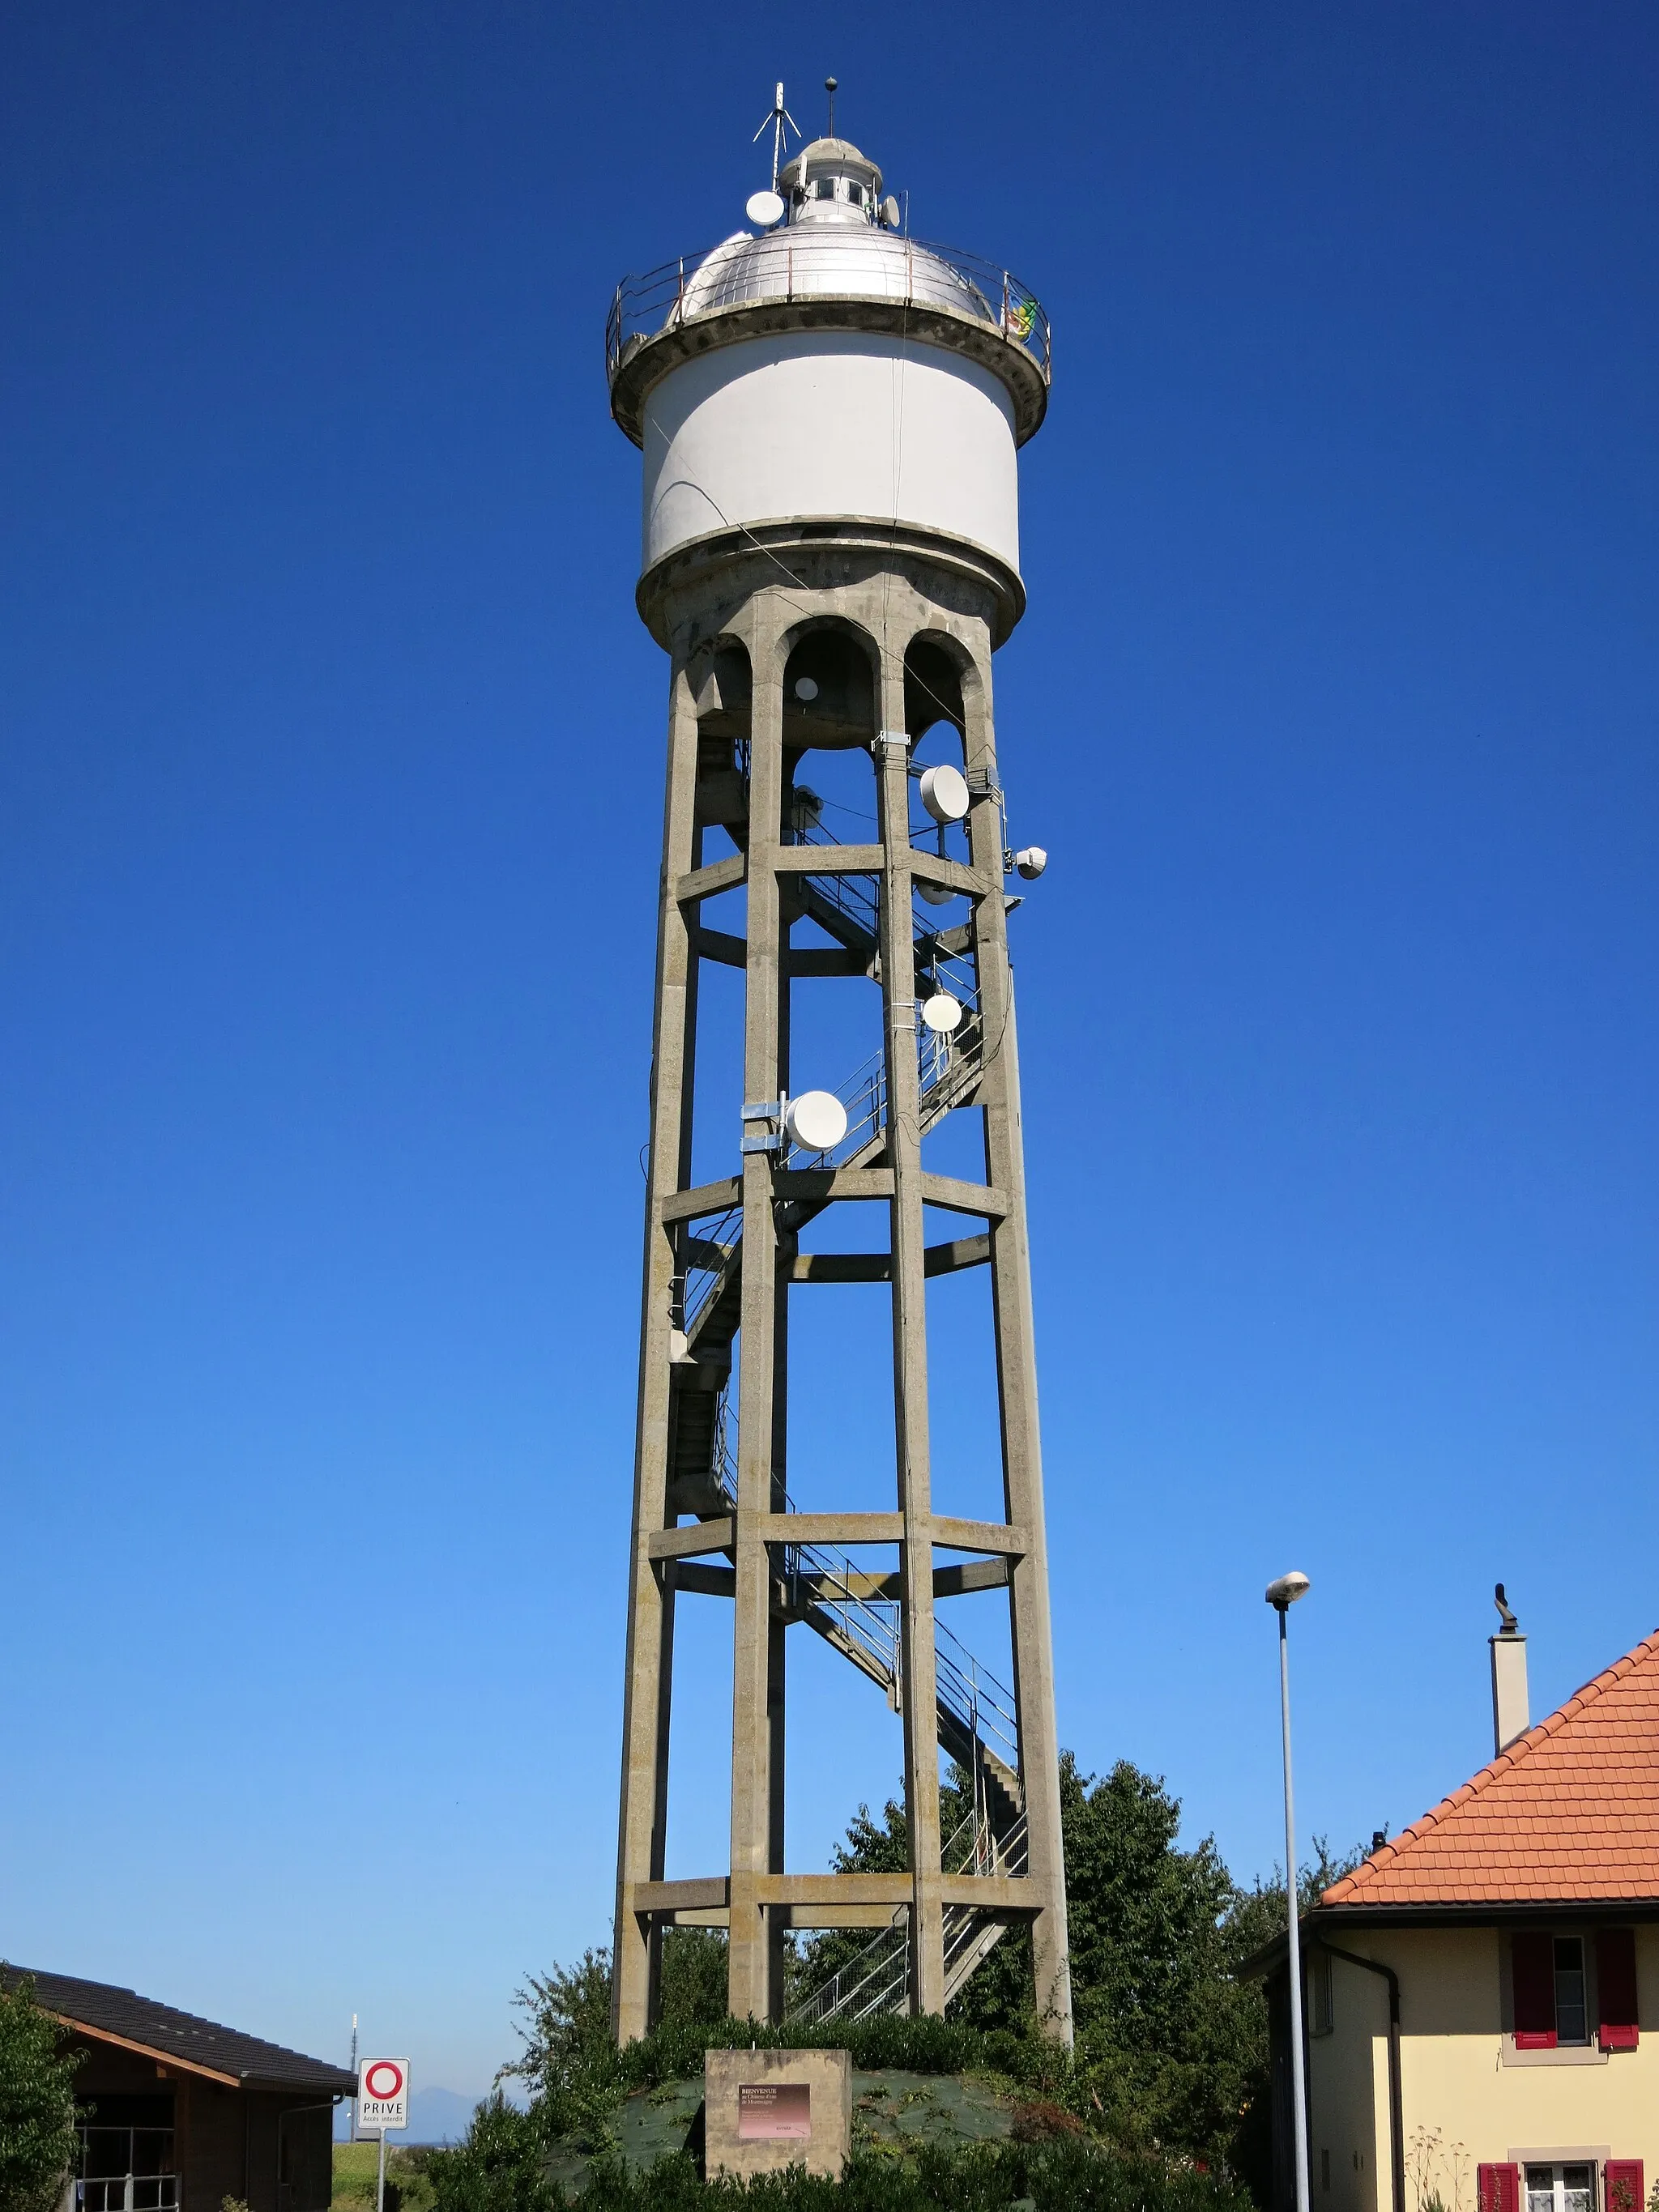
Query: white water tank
x,y
828,369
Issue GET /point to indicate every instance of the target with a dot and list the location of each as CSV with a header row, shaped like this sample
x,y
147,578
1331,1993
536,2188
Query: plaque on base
x,y
764,2111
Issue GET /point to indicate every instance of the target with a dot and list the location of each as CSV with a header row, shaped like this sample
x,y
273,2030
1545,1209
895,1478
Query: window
x,y
855,193
1551,1996
1560,2188
126,2162
824,189
1320,2014
125,2168
1571,2013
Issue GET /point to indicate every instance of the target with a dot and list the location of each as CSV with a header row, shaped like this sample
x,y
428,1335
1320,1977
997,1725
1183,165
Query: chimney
x,y
1509,1716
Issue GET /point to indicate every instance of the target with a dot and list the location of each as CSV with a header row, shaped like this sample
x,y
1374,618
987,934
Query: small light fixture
x,y
805,690
1286,1591
1031,861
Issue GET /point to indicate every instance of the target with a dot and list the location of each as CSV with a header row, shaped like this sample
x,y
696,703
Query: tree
x,y
568,2060
1172,2047
499,2165
38,2139
1256,1914
693,1977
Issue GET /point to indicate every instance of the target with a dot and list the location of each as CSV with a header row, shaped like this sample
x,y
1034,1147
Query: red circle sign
x,y
372,2078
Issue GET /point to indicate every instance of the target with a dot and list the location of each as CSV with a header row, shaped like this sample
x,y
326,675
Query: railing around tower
x,y
788,265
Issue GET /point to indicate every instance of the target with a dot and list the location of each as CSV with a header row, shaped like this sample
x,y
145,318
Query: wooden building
x,y
179,2113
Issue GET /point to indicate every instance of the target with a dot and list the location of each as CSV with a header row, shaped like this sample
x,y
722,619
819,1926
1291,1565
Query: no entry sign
x,y
382,2096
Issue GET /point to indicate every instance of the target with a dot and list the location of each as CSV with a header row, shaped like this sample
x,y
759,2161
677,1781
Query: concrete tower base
x,y
897,631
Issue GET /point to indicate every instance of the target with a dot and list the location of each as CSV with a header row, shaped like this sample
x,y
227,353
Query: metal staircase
x,y
977,1723
877,1979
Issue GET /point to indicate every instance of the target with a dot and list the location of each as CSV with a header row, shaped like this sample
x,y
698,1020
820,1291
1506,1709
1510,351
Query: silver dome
x,y
828,261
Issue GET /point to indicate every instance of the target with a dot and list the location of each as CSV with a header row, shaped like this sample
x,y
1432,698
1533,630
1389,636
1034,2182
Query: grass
x,y
354,2167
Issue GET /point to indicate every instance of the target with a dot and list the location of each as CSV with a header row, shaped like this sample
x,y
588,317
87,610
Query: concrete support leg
x,y
644,1802
750,1954
1022,1448
910,1360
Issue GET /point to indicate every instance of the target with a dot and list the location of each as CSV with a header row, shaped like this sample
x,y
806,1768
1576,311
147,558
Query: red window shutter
x,y
1498,2188
1621,2185
1532,1960
1615,1984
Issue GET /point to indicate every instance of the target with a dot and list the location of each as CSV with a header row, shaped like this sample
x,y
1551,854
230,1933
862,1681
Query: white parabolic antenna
x,y
945,792
763,209
817,1120
942,1013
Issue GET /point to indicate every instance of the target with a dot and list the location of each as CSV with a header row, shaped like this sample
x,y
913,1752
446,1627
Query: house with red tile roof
x,y
1482,1992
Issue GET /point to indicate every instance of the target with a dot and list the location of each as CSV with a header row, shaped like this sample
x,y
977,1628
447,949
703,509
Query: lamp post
x,y
1282,1596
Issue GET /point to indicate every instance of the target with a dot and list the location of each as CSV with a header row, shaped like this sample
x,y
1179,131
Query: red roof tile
x,y
1569,1814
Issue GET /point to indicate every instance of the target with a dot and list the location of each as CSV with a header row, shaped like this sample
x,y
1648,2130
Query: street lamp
x,y
1282,1596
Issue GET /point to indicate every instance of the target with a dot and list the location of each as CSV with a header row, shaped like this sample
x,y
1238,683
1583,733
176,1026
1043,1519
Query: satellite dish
x,y
805,690
889,212
942,1013
763,209
945,792
935,894
817,1120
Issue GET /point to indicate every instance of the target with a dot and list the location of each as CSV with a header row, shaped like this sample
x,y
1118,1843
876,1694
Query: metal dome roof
x,y
831,261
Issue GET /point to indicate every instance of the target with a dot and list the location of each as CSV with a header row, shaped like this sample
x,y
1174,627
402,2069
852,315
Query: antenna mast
x,y
779,122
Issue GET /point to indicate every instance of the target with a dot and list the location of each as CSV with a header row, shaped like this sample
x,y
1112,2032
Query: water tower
x,y
830,414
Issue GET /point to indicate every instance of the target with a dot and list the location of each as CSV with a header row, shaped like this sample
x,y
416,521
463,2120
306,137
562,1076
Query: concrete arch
x,y
946,680
720,685
842,663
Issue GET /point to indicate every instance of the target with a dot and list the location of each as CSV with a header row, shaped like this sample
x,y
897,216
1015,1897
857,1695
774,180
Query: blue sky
x,y
329,814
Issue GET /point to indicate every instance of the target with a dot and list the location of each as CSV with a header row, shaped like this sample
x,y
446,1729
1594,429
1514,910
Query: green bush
x,y
37,2141
499,2164
498,2168
1063,2174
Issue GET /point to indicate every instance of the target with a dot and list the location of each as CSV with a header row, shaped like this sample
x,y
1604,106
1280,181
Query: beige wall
x,y
1453,2075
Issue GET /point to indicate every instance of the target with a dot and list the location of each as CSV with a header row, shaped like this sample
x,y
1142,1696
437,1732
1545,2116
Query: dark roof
x,y
123,2016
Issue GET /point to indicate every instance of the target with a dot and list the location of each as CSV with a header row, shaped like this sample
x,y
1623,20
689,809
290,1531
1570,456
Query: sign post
x,y
382,2104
